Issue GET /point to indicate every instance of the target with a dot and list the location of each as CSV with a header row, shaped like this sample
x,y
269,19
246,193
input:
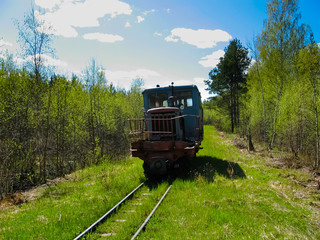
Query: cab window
x,y
184,99
158,100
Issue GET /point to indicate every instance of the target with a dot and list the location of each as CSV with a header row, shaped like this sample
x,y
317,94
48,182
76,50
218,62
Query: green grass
x,y
224,195
65,210
252,201
127,220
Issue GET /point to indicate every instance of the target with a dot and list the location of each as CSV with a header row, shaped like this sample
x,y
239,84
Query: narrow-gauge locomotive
x,y
172,129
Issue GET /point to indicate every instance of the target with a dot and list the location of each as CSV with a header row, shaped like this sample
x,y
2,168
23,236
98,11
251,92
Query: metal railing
x,y
161,125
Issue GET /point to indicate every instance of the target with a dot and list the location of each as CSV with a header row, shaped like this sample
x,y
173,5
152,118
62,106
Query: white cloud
x,y
65,15
127,24
5,44
103,37
150,11
158,34
48,61
140,19
201,38
171,39
212,60
20,61
124,78
48,4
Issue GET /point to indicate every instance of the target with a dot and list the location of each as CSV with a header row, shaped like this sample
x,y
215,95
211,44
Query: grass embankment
x,y
226,195
64,210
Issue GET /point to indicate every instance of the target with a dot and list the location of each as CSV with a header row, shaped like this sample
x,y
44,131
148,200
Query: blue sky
x,y
163,41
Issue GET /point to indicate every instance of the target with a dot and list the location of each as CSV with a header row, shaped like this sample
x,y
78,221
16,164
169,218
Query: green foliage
x,y
54,127
228,79
216,115
281,105
283,84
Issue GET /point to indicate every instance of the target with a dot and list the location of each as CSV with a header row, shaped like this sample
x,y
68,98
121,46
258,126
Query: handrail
x,y
159,122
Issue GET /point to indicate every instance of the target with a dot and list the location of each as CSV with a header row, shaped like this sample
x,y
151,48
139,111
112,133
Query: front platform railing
x,y
162,126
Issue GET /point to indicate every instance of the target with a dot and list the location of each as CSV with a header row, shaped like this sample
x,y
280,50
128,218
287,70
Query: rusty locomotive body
x,y
172,130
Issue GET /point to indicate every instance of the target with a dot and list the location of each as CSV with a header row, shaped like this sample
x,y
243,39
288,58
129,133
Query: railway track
x,y
150,215
134,209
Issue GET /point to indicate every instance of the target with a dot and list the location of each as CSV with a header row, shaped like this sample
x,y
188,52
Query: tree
x,y
278,44
228,79
255,70
135,98
309,66
95,81
35,40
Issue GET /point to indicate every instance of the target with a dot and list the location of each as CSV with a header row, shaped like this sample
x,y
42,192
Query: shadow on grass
x,y
210,167
204,166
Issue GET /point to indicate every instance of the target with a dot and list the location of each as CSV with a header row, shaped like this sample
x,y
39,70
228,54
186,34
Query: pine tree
x,y
228,79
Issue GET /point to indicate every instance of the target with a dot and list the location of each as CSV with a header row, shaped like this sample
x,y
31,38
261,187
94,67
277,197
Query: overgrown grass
x,y
125,223
224,195
228,195
65,210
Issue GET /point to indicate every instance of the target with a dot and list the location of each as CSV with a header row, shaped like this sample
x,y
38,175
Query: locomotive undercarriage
x,y
163,157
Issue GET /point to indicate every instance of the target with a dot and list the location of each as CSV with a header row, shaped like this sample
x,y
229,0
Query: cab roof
x,y
168,88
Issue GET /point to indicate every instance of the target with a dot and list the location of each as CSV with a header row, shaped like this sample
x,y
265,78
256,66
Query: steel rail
x,y
94,225
150,215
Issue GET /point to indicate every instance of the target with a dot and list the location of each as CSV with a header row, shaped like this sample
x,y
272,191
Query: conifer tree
x,y
228,79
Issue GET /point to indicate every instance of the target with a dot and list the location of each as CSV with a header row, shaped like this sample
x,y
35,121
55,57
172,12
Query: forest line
x,y
275,99
55,126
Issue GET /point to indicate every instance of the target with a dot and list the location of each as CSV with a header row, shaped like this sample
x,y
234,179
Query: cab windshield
x,y
158,100
180,100
183,99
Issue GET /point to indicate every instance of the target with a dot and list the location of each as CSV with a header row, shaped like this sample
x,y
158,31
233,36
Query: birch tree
x,y
280,41
35,38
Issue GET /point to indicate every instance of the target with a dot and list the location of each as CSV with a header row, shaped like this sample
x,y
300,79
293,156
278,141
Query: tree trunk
x,y
43,170
316,164
265,137
250,144
231,111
